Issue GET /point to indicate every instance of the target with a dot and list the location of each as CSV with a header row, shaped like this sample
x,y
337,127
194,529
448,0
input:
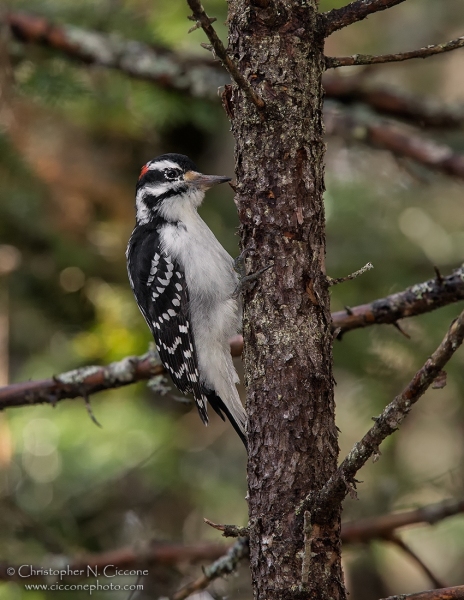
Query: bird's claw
x,y
245,281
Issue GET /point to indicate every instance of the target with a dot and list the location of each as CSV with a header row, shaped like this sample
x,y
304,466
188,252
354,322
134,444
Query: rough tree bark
x,y
279,152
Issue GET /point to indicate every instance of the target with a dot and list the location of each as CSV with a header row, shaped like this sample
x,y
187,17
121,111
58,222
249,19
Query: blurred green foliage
x,y
67,169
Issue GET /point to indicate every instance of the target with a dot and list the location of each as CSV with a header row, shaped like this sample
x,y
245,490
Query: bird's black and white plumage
x,y
184,283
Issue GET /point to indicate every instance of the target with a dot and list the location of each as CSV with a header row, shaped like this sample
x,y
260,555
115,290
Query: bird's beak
x,y
204,182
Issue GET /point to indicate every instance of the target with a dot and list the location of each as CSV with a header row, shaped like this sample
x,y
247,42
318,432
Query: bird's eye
x,y
171,173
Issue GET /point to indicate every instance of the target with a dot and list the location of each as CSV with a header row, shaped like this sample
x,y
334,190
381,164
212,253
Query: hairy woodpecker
x,y
184,283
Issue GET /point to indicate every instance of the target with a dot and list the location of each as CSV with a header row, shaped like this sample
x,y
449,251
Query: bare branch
x,y
451,593
141,61
223,566
416,300
382,527
351,276
388,422
173,554
151,554
424,112
417,559
219,50
202,78
161,66
228,530
396,139
338,18
333,62
82,382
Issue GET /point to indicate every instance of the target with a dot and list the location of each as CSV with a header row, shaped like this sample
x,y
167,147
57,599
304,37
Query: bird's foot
x,y
246,282
239,262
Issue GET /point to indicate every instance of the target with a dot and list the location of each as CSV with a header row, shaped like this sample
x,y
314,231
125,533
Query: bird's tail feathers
x,y
201,400
236,417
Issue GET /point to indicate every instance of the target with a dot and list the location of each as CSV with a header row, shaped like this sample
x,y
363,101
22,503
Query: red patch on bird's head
x,y
145,168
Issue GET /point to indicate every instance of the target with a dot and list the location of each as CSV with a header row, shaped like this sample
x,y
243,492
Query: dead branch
x,y
338,18
382,527
372,528
336,280
138,60
228,530
451,593
123,558
395,103
202,78
201,17
361,531
396,139
225,565
333,62
417,559
387,423
82,382
416,300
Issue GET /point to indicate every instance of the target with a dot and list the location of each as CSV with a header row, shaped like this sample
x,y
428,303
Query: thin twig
x,y
200,15
388,422
228,530
88,407
306,563
223,566
394,539
397,326
338,18
333,62
451,593
198,24
354,275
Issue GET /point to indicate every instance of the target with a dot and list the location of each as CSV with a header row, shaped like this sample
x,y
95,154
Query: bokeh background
x,y
72,140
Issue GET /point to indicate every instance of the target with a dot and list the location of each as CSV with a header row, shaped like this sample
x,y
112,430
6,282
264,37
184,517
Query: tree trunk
x,y
279,154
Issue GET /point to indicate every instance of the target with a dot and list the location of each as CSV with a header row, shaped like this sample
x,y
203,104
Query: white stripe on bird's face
x,y
161,165
143,212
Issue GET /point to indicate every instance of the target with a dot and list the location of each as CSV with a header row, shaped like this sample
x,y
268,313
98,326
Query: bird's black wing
x,y
161,292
